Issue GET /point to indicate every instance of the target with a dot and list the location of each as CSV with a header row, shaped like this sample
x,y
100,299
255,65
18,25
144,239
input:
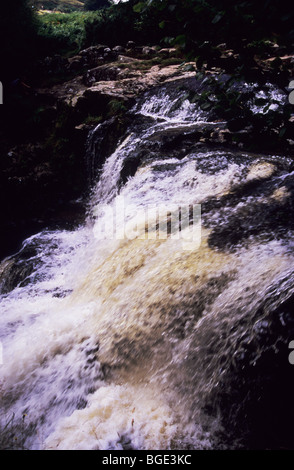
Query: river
x,y
163,322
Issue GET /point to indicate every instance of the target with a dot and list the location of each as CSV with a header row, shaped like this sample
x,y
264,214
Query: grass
x,y
64,6
66,31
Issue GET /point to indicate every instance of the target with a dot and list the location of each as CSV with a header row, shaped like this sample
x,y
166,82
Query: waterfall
x,y
120,335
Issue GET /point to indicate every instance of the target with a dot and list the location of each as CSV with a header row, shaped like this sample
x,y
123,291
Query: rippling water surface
x,y
142,342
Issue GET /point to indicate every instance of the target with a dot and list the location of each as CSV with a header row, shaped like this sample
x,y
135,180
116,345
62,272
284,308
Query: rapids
x,y
129,333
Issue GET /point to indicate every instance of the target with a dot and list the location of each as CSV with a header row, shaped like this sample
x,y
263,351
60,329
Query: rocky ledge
x,y
43,167
44,174
122,77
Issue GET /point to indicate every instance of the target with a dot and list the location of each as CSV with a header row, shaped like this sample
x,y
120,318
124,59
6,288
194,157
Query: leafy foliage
x,y
64,32
227,98
195,26
61,6
220,20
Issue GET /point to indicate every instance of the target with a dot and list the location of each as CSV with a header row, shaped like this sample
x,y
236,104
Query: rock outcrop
x,y
123,78
102,84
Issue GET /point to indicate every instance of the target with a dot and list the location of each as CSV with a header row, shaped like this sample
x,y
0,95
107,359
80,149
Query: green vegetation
x,y
116,108
63,6
193,22
226,100
216,34
68,33
93,120
197,27
68,6
65,33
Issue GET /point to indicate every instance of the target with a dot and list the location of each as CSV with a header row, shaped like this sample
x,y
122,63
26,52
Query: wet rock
x,y
101,73
101,142
264,216
222,136
261,171
16,270
256,396
130,166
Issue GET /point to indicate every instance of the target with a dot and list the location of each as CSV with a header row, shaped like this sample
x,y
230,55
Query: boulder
x,y
93,55
131,45
167,52
102,73
54,65
76,63
119,49
149,51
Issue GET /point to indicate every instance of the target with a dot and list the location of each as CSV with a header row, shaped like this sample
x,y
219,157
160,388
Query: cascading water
x,y
138,342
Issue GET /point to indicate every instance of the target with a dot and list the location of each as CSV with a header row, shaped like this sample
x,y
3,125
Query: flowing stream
x,y
128,333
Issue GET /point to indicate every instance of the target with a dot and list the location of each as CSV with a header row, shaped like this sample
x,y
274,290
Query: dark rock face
x,y
257,398
16,270
38,188
52,160
269,217
101,142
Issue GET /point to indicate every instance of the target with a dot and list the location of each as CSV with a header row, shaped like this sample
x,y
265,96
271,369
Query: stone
x,y
149,51
131,45
76,63
167,52
119,49
101,73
